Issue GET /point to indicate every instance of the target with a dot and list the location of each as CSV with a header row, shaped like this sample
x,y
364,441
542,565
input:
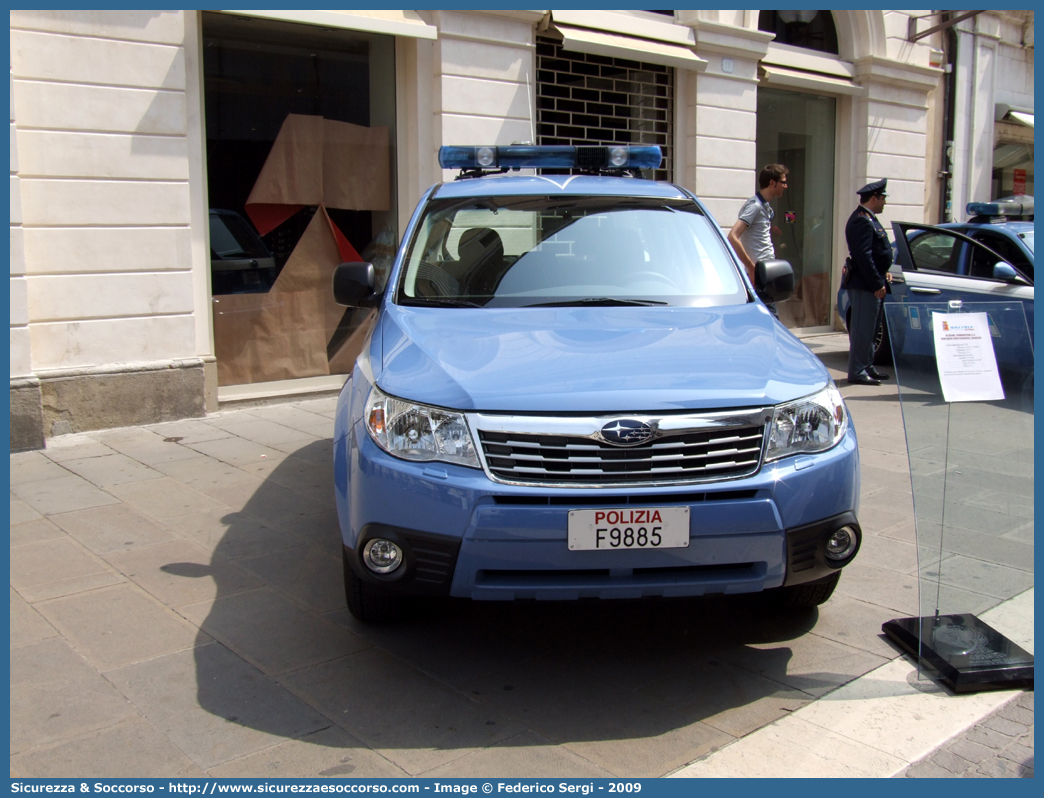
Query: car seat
x,y
482,264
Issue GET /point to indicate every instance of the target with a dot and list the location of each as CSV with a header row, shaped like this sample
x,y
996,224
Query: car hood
x,y
593,359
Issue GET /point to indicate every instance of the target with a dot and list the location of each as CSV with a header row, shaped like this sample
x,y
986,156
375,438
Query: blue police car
x,y
989,258
571,390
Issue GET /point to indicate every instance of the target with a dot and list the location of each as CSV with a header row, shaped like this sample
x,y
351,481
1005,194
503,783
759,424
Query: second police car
x,y
571,390
988,258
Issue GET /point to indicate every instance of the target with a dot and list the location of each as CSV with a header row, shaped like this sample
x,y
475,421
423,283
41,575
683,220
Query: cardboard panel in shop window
x,y
317,161
310,266
280,335
356,168
285,333
342,360
289,332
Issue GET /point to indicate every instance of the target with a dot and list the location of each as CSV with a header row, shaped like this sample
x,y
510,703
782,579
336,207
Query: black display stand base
x,y
968,655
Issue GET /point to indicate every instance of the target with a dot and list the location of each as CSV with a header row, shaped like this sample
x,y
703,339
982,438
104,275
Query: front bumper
x,y
464,535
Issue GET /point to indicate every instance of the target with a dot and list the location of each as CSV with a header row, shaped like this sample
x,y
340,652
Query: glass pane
x,y
971,470
520,251
934,252
797,130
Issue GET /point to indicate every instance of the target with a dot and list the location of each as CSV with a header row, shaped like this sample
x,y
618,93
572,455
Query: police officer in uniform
x,y
870,257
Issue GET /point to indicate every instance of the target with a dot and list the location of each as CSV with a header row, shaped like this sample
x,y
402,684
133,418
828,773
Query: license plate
x,y
630,528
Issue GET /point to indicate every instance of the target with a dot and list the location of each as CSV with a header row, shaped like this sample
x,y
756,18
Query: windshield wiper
x,y
444,302
597,301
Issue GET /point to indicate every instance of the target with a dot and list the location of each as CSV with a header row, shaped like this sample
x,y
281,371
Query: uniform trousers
x,y
866,310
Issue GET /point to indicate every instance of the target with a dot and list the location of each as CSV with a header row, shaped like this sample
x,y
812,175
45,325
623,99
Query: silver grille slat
x,y
569,451
651,458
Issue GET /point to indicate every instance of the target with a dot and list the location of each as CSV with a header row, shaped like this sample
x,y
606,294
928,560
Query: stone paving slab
x,y
213,705
119,625
47,569
133,749
328,753
111,528
57,695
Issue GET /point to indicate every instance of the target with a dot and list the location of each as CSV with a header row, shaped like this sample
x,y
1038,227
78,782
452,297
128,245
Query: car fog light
x,y
382,556
841,545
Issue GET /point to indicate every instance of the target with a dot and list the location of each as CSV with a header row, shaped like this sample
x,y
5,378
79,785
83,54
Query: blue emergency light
x,y
1019,205
525,156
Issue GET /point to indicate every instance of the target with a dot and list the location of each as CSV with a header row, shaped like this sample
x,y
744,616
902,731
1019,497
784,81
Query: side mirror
x,y
774,279
1006,272
353,285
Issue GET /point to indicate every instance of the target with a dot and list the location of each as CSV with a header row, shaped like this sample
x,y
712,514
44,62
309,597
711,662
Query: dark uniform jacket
x,y
869,249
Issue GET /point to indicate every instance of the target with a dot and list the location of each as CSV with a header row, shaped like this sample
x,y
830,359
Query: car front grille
x,y
712,453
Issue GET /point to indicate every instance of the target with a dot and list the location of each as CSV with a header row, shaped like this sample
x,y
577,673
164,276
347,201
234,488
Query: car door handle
x,y
925,290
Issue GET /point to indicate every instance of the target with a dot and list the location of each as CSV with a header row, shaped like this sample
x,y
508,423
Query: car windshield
x,y
531,251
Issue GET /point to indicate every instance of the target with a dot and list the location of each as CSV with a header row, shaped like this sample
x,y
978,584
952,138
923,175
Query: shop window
x,y
586,99
299,125
812,30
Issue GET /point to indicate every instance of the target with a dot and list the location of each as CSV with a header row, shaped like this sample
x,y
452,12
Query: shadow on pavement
x,y
289,660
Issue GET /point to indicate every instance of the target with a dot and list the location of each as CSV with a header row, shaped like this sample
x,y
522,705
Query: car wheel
x,y
882,345
367,606
810,594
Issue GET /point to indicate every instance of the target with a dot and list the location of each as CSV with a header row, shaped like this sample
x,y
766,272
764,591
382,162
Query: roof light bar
x,y
550,157
1020,205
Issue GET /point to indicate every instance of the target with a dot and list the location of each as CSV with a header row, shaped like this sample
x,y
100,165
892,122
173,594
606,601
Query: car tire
x,y
882,345
367,606
810,594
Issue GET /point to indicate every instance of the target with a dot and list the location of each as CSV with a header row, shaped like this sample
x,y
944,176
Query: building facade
x,y
183,182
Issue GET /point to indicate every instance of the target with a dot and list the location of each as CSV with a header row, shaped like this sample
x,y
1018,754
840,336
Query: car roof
x,y
1012,227
565,185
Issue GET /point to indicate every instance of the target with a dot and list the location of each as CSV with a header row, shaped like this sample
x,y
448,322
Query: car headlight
x,y
419,432
812,424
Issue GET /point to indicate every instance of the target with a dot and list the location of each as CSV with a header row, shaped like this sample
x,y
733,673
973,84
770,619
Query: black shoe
x,y
877,375
863,379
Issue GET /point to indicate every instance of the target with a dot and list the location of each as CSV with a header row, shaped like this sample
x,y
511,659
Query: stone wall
x,y
100,123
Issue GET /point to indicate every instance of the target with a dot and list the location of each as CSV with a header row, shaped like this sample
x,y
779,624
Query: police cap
x,y
877,187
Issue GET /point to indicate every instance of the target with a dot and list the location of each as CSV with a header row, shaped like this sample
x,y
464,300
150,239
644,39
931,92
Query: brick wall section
x,y
591,99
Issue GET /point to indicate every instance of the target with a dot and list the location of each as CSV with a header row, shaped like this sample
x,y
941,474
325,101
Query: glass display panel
x,y
971,472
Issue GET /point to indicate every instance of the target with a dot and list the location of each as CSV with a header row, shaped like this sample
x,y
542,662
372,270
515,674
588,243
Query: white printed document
x,y
965,358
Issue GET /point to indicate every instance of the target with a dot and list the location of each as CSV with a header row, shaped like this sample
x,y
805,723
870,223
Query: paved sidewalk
x,y
177,610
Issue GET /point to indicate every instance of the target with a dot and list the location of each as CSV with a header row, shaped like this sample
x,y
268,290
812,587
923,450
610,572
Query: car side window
x,y
935,252
1007,249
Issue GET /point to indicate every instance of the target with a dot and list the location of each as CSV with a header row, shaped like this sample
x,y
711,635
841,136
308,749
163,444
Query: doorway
x,y
797,130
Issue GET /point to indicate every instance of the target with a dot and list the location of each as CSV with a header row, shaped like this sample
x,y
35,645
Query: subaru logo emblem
x,y
626,432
